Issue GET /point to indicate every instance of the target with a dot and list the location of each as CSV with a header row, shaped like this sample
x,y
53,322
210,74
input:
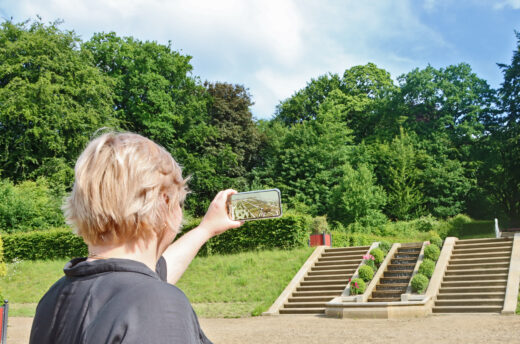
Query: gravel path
x,y
475,329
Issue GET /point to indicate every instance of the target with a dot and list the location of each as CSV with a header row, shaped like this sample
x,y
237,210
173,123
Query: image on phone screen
x,y
255,205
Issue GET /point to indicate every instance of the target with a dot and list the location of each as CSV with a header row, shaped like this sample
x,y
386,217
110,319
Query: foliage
x,y
320,225
378,255
384,246
52,98
3,267
419,283
28,206
427,267
436,240
432,252
49,244
357,286
366,273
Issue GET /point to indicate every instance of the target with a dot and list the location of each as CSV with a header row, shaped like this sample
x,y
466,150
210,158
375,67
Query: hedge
x,y
3,267
47,244
290,231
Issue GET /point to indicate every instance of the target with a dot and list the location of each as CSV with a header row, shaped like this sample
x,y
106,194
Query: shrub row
x,y
3,267
288,232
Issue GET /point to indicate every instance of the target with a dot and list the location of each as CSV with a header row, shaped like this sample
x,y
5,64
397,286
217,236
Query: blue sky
x,y
274,47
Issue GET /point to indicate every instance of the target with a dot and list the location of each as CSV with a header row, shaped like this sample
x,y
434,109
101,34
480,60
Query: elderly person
x,y
126,204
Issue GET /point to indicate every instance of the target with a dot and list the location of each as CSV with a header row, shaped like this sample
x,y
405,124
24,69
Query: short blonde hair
x,y
121,182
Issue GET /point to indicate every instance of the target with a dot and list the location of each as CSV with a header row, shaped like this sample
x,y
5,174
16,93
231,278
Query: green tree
x,y
52,98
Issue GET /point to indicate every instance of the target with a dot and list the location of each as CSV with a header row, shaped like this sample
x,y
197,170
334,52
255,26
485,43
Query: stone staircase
x,y
476,277
397,275
326,280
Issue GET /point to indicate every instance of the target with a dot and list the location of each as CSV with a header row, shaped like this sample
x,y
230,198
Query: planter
x,y
323,239
3,321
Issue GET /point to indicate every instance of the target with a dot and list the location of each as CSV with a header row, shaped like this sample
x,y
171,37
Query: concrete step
x,y
481,283
347,249
503,245
476,296
478,250
340,272
501,259
399,274
487,277
475,271
400,267
391,280
482,255
408,250
359,254
463,290
470,302
326,282
396,261
406,255
302,311
386,294
326,277
481,240
384,299
329,293
333,261
339,288
297,305
459,266
467,309
335,267
310,299
394,287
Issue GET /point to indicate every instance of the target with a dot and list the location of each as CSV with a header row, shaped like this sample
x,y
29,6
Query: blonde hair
x,y
125,188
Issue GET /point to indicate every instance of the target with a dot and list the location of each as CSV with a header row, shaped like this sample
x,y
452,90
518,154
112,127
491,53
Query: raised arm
x,y
216,221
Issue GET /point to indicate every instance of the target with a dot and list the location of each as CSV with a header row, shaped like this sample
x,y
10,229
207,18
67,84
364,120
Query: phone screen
x,y
255,205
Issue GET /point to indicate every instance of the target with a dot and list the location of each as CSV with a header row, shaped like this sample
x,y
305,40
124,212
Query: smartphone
x,y
255,205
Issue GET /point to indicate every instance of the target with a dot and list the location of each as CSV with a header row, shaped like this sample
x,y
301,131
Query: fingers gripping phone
x,y
255,205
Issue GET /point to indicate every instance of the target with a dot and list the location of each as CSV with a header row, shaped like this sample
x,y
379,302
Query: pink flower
x,y
373,258
355,284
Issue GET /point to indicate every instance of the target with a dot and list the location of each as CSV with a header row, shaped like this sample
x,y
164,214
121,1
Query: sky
x,y
275,47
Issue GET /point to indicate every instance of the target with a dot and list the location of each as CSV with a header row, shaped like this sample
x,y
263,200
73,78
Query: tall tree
x,y
52,98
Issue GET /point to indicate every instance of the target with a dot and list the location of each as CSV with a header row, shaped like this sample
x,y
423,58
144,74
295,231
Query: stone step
x,y
475,271
486,277
359,254
326,282
304,305
482,240
481,283
476,295
396,261
387,280
386,294
477,250
400,267
335,267
470,302
480,255
468,266
462,290
310,299
333,261
340,272
330,293
394,287
501,259
326,277
384,299
501,245
302,311
339,288
409,250
467,309
399,274
347,249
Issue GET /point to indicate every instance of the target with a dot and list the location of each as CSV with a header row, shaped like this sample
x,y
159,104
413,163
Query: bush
x,y
28,206
366,273
432,252
320,225
290,231
427,267
357,286
420,283
436,240
379,255
48,244
385,246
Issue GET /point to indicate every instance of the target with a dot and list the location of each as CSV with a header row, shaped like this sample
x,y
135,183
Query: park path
x,y
475,329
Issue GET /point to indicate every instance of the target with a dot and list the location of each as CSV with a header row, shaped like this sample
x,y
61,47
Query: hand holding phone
x,y
255,205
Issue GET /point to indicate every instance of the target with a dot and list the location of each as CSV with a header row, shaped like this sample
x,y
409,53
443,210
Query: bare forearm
x,y
179,255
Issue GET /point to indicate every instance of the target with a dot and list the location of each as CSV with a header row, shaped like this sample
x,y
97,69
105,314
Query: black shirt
x,y
114,301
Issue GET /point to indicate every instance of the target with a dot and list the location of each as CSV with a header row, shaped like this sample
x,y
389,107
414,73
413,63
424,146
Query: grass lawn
x,y
218,286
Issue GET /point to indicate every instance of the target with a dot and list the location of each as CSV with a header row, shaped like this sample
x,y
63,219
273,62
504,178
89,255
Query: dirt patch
x,y
475,329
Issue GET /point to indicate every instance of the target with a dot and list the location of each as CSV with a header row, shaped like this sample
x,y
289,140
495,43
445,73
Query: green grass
x,y
235,285
478,229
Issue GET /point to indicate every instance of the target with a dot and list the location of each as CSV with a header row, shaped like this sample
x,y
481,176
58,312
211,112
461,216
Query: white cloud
x,y
272,47
515,4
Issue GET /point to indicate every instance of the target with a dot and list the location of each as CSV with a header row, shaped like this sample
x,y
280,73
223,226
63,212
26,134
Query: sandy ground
x,y
473,329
